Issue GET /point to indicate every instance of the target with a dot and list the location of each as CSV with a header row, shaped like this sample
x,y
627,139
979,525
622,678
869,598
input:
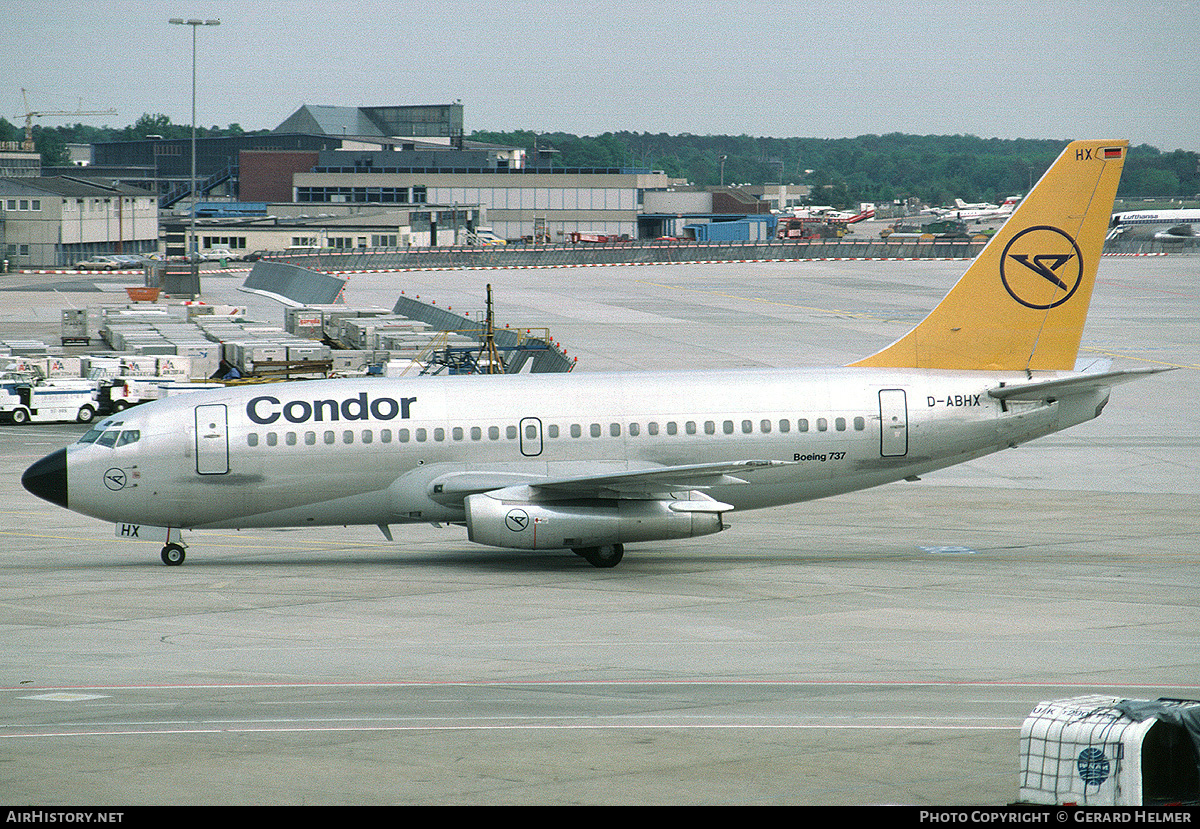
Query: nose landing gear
x,y
173,553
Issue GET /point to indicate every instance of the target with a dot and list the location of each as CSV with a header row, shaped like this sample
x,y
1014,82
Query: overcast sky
x,y
787,68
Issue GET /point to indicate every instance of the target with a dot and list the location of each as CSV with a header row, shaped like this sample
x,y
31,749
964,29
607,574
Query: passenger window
x,y
456,433
859,424
310,438
510,432
785,425
576,430
614,429
727,427
652,428
634,430
747,427
803,424
672,429
402,435
595,430
252,439
290,438
272,439
710,427
552,430
766,427
690,427
330,437
385,435
822,424
347,436
476,433
439,434
840,424
421,435
367,436
493,433
530,431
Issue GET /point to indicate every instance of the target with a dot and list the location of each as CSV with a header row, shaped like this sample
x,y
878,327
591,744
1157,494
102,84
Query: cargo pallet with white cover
x,y
1104,751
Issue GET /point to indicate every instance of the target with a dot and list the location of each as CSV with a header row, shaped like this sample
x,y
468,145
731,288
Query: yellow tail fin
x,y
1023,301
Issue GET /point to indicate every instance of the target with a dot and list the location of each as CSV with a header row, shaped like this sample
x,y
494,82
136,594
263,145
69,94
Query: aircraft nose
x,y
47,478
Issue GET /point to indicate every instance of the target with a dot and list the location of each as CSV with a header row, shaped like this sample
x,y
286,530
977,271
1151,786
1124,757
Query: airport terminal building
x,y
327,176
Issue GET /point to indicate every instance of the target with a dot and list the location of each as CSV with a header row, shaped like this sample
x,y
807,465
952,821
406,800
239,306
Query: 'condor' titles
x,y
265,410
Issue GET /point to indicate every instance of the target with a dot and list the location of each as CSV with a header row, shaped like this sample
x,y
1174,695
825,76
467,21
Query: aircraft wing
x,y
655,479
652,481
1066,386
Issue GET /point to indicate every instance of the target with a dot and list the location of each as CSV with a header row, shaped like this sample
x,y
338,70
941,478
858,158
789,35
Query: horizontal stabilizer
x,y
1067,386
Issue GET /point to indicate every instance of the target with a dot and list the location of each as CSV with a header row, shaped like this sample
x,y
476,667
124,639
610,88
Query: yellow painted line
x,y
1108,353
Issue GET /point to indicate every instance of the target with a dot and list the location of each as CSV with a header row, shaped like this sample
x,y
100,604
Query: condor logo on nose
x,y
266,409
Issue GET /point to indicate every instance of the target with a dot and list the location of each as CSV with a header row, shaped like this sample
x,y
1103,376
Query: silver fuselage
x,y
367,451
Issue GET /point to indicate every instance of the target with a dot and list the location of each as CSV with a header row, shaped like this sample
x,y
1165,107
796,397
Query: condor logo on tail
x,y
1052,267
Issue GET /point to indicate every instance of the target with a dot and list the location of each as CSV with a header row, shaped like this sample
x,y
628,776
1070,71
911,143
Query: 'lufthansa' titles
x,y
265,410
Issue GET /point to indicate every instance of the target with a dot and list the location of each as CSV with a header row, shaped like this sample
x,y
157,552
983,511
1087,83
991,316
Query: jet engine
x,y
586,524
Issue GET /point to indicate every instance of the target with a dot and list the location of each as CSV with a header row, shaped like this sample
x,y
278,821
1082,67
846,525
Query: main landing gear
x,y
607,556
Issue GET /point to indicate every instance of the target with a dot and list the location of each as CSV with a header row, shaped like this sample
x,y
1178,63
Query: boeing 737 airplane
x,y
592,462
1164,225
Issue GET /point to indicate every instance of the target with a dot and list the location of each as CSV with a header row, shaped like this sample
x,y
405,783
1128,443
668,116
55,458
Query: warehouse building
x,y
60,220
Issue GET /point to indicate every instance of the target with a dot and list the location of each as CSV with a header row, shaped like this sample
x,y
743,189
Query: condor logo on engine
x,y
266,409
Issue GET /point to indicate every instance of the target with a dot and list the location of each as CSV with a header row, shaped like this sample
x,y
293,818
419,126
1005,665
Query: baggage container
x,y
1105,751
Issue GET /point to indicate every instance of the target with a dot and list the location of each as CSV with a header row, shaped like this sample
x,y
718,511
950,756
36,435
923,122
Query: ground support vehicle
x,y
48,401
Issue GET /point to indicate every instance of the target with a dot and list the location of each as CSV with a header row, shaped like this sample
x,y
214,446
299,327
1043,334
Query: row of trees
x,y
842,171
52,141
872,168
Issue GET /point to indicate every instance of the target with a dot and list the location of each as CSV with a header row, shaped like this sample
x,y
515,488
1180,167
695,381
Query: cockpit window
x,y
109,438
104,427
129,436
91,434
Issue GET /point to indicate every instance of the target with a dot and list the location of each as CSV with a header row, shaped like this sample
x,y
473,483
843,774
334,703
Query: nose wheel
x,y
172,555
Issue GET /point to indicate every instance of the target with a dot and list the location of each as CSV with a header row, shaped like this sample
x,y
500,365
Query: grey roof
x,y
72,187
329,120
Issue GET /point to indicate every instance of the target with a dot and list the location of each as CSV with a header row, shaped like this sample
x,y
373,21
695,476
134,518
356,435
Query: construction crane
x,y
27,144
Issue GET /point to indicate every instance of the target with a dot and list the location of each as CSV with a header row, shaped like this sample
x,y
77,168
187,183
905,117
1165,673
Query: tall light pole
x,y
195,24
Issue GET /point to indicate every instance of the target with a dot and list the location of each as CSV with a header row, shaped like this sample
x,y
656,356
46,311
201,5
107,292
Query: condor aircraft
x,y
592,462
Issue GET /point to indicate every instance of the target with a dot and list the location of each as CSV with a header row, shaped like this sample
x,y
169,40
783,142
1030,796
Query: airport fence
x,y
660,253
633,253
1184,246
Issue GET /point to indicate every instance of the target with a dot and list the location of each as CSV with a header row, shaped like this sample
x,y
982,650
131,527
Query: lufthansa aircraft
x,y
591,462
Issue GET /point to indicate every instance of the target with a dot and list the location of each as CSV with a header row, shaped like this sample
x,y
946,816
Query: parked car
x,y
217,254
125,260
97,263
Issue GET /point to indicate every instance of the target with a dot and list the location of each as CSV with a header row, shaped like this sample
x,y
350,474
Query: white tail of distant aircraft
x,y
591,462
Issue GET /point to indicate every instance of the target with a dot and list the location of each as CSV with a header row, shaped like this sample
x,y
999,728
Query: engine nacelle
x,y
526,525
